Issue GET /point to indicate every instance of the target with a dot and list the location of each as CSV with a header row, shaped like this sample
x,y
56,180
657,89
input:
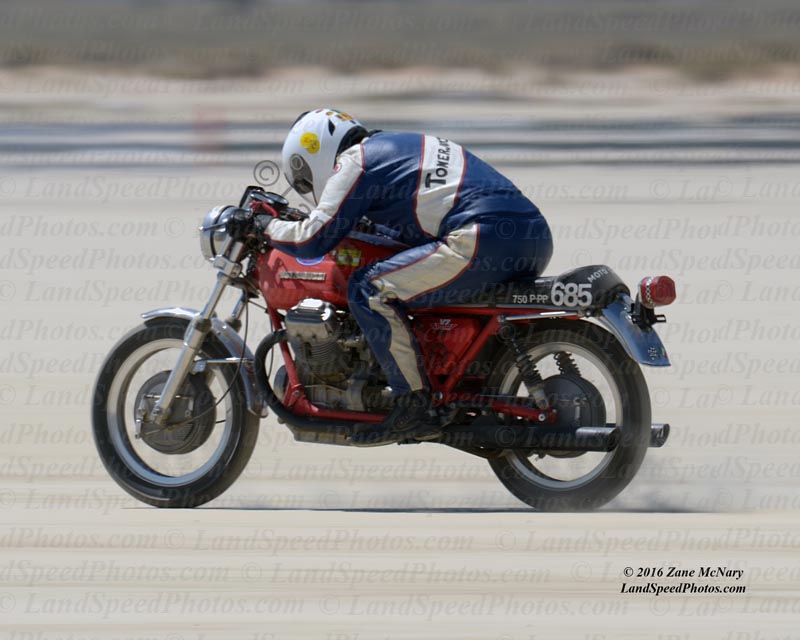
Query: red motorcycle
x,y
539,376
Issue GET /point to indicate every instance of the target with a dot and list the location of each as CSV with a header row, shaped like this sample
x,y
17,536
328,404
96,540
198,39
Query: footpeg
x,y
659,434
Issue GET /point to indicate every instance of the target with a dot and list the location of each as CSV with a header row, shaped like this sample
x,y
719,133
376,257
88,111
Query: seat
x,y
586,288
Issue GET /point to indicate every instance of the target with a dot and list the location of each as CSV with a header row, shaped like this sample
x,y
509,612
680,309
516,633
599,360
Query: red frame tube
x,y
296,399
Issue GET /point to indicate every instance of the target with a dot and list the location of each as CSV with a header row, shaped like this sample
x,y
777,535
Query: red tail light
x,y
656,291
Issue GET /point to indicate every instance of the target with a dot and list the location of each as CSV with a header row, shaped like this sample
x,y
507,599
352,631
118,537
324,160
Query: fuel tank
x,y
284,281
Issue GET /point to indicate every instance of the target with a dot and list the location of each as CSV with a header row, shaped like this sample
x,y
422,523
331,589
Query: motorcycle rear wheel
x,y
130,461
625,397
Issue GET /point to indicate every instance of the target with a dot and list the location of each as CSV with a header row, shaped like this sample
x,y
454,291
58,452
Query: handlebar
x,y
255,198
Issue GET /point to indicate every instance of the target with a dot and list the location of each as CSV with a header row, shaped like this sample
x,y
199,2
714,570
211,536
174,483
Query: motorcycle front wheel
x,y
590,380
211,434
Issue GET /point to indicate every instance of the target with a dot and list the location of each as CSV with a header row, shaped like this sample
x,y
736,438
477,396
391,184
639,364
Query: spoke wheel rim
x,y
117,414
520,461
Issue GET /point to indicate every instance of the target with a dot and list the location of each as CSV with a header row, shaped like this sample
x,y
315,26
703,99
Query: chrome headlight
x,y
212,231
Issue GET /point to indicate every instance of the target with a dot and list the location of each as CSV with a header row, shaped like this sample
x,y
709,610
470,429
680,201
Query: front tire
x,y
129,460
627,399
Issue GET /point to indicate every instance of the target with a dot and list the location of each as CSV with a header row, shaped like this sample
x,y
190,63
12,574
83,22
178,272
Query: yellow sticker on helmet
x,y
310,142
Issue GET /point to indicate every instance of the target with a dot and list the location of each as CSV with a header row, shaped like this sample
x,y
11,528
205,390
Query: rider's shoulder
x,y
383,146
380,139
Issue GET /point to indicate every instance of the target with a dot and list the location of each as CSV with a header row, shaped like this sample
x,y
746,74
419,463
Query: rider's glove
x,y
263,208
239,224
260,224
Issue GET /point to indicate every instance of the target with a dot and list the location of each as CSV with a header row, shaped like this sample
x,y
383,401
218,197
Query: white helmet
x,y
310,150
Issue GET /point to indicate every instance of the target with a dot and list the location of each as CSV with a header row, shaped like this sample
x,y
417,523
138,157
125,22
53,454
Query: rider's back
x,y
424,186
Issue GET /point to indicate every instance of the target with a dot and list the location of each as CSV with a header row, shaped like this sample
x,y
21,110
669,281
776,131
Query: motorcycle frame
x,y
296,400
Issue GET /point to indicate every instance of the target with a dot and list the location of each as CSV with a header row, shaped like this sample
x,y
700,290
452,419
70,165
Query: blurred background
x,y
709,40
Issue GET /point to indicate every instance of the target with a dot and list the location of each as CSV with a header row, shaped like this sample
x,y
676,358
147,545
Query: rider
x,y
466,225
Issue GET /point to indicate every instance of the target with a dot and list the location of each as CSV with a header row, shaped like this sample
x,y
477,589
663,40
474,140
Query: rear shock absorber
x,y
566,363
529,372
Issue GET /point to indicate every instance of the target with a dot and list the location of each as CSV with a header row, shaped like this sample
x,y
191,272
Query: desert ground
x,y
103,181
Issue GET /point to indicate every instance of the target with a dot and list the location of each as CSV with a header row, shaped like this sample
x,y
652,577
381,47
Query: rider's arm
x,y
343,202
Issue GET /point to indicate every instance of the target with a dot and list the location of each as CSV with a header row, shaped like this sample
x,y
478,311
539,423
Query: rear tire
x,y
233,453
543,493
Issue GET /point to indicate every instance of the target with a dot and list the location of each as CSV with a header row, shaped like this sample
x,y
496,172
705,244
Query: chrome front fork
x,y
228,269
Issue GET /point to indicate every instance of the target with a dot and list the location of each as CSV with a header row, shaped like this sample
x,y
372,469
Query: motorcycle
x,y
539,376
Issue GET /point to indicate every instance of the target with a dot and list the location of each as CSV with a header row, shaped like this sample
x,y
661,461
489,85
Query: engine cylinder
x,y
314,331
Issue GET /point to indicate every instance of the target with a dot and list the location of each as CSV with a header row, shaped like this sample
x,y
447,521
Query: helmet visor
x,y
300,175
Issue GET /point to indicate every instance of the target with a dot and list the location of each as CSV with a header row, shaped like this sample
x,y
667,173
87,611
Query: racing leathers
x,y
466,225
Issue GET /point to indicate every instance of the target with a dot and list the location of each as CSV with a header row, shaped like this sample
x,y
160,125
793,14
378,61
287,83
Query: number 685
x,y
571,294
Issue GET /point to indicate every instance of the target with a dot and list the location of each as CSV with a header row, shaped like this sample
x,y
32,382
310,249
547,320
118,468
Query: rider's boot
x,y
411,419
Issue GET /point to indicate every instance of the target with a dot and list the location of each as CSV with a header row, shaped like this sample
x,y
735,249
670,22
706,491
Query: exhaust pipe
x,y
543,437
658,434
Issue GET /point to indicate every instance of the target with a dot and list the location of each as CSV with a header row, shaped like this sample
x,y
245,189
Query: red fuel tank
x,y
285,281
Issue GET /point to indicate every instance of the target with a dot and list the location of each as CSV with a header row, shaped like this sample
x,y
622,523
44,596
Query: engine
x,y
334,362
315,332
